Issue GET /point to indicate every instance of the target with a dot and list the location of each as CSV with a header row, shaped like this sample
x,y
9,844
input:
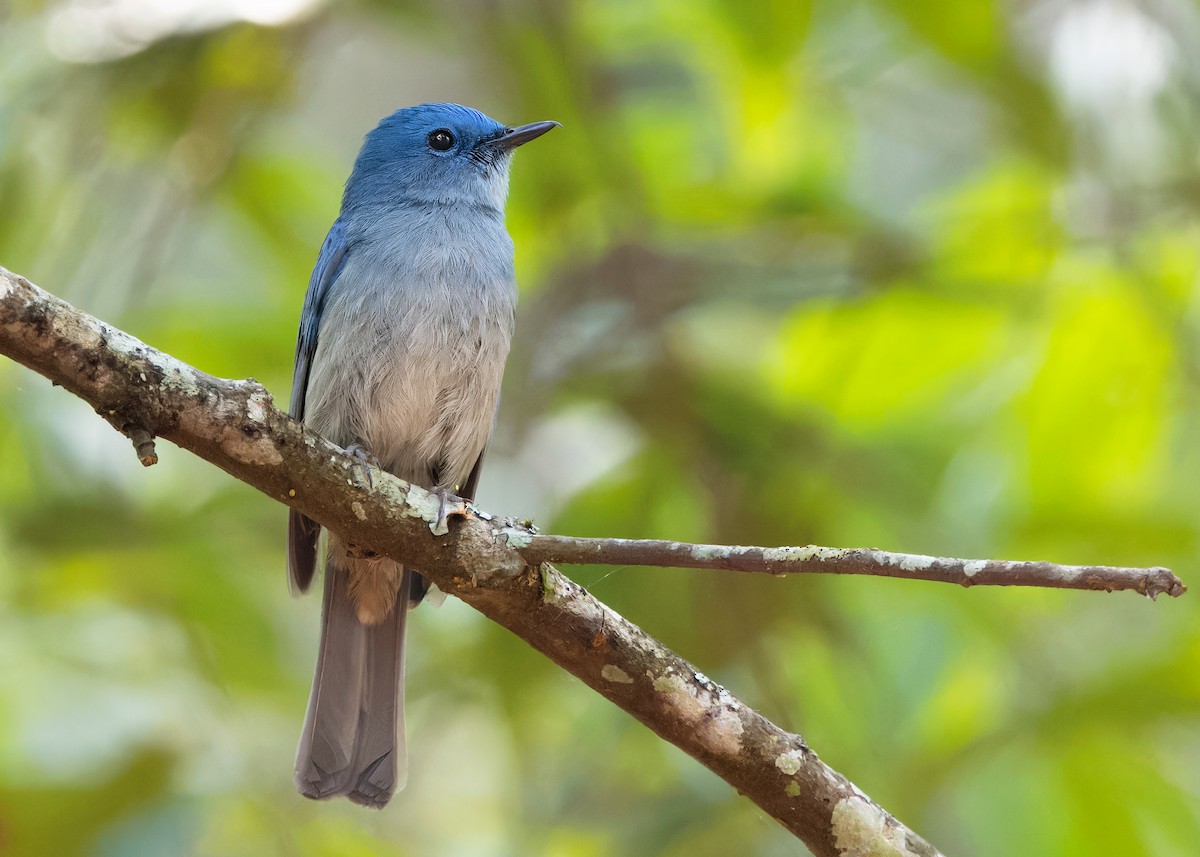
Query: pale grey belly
x,y
418,390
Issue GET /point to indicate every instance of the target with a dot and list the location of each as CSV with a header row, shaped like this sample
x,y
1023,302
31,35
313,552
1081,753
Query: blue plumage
x,y
403,337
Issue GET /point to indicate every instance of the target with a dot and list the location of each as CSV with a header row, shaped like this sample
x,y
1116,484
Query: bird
x,y
403,337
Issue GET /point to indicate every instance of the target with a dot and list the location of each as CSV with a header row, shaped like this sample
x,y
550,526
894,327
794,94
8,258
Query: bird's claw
x,y
449,504
365,459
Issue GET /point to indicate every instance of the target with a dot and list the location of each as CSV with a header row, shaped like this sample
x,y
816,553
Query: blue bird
x,y
403,336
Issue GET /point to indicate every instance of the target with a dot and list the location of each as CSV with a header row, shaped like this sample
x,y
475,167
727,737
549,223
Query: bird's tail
x,y
353,739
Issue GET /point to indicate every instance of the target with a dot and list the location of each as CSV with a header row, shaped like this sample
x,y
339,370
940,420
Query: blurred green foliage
x,y
915,275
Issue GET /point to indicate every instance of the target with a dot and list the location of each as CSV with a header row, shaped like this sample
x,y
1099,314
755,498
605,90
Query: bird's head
x,y
440,153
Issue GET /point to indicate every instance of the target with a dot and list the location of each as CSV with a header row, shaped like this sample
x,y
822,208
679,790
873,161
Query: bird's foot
x,y
365,459
449,504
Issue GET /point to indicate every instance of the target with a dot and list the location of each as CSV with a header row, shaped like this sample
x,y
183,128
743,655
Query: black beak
x,y
510,138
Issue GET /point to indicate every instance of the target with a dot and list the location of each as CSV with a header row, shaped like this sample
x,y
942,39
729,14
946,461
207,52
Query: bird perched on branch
x,y
403,337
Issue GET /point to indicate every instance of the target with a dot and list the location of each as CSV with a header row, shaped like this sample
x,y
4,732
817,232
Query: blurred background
x,y
913,275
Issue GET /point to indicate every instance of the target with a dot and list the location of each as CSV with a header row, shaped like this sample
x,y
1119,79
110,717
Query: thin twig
x,y
143,446
811,559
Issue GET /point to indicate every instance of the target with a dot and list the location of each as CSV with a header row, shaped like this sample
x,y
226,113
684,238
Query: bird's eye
x,y
441,140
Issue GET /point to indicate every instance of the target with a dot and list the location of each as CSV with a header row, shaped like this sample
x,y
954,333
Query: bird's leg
x,y
365,460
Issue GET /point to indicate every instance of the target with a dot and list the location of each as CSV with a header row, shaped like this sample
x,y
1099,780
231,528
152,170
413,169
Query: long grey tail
x,y
353,739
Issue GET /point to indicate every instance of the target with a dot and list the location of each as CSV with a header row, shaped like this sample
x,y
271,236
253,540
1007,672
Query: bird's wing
x,y
303,532
329,265
468,488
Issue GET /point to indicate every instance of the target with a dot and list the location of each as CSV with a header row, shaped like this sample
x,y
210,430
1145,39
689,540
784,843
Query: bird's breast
x,y
411,352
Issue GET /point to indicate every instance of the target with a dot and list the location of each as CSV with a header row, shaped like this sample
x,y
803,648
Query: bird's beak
x,y
510,138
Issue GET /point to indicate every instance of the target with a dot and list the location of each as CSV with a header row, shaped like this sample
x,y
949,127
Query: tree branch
x,y
498,567
811,559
